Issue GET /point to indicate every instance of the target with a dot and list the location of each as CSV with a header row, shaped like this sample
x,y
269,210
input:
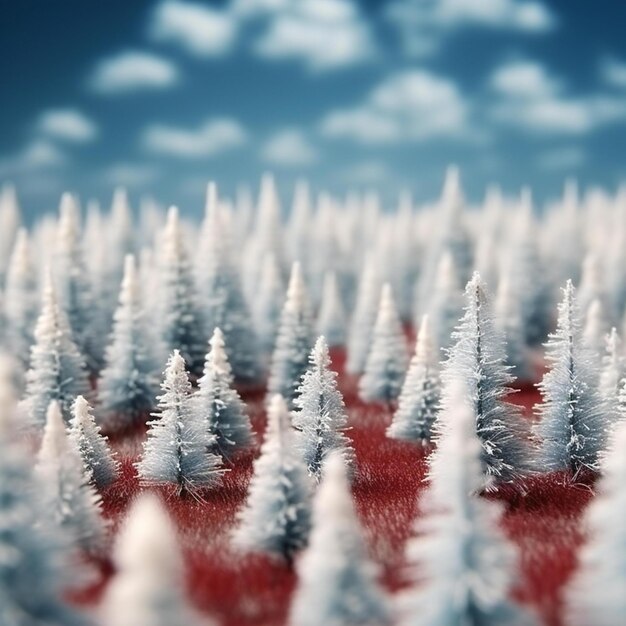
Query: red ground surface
x,y
242,591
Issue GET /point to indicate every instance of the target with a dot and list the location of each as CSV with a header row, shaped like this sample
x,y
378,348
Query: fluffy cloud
x,y
613,72
525,79
413,105
199,29
38,155
133,71
213,137
67,124
289,148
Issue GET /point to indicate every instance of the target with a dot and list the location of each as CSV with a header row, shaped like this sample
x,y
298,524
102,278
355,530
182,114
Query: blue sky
x,y
161,96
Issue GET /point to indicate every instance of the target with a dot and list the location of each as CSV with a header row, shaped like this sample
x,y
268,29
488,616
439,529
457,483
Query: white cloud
x,y
324,34
289,147
613,72
525,79
130,174
214,136
413,105
133,71
567,158
67,124
199,29
38,155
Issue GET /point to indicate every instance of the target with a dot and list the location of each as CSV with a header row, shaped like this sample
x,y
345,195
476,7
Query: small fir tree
x,y
386,363
419,400
612,375
268,303
337,581
331,320
594,332
177,449
276,516
321,417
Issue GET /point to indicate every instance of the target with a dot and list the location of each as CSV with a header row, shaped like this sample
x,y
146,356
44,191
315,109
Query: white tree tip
x,y
217,336
172,215
129,265
212,198
81,406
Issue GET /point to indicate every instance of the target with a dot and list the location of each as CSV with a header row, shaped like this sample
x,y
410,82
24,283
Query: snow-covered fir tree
x,y
294,341
459,558
591,283
276,516
268,303
94,450
181,324
148,588
128,383
321,417
363,318
612,375
218,282
336,580
386,363
68,496
57,369
477,360
595,595
572,426
178,448
331,319
594,332
217,405
9,225
418,404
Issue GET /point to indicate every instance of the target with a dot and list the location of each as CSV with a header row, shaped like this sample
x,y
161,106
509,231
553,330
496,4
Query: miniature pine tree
x,y
220,289
477,359
217,405
337,581
594,331
331,320
419,400
181,324
148,587
57,369
595,594
459,558
321,417
386,363
572,426
32,569
128,384
69,498
612,374
177,449
92,446
363,318
268,303
294,341
276,516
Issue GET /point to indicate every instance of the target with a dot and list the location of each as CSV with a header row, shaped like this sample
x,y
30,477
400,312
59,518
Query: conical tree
x,y
594,332
419,400
572,425
128,383
267,304
321,417
94,450
57,369
477,359
331,320
177,449
612,375
217,405
148,587
595,594
460,561
386,363
68,496
9,225
276,516
294,341
337,581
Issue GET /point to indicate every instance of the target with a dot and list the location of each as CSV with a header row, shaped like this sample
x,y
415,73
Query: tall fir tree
x,y
477,360
386,363
321,417
148,588
336,580
294,341
594,332
276,516
268,302
595,595
177,450
217,405
331,319
180,320
128,383
460,561
612,375
572,426
68,497
220,290
94,450
57,369
418,404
